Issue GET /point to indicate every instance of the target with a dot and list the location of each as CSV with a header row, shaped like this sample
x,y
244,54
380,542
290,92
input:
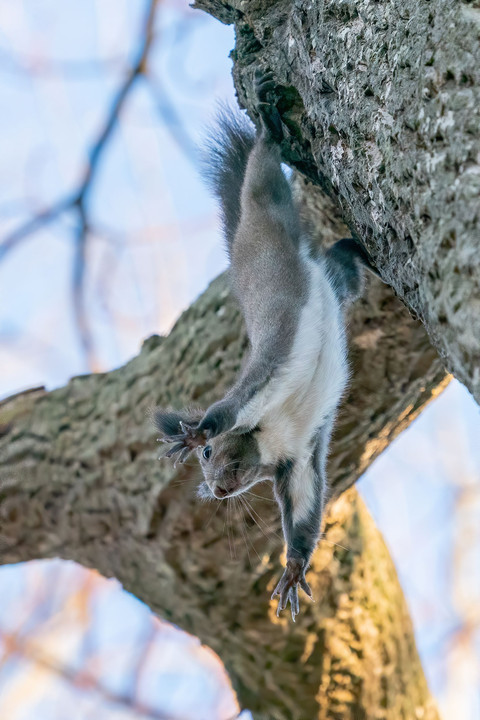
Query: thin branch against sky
x,y
77,199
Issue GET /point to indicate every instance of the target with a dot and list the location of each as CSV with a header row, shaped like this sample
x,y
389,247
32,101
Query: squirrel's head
x,y
231,465
230,462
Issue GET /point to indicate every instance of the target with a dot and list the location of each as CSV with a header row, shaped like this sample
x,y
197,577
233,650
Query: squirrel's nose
x,y
220,492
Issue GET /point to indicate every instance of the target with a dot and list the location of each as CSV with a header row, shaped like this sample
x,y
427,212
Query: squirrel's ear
x,y
168,421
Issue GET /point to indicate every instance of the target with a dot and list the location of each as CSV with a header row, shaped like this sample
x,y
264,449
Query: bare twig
x,y
77,200
137,69
45,217
14,645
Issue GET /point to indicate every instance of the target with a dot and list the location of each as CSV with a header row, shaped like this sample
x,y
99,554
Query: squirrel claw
x,y
269,115
173,450
287,588
185,442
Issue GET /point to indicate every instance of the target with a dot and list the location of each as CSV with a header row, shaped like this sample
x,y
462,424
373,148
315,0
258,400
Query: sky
x,y
155,244
79,644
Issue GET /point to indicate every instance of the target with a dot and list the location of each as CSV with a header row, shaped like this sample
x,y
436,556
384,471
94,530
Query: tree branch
x,y
77,199
79,480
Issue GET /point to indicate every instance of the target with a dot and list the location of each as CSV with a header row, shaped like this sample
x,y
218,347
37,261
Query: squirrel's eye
x,y
207,452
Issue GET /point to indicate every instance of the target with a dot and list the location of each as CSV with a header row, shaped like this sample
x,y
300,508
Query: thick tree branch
x,y
382,101
79,479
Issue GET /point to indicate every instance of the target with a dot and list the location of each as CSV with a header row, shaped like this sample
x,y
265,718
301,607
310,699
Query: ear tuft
x,y
169,421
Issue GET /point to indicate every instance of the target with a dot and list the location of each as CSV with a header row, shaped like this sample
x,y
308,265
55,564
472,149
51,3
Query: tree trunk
x,y
382,104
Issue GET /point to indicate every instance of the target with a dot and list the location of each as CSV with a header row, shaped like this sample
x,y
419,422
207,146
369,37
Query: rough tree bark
x,y
382,101
79,480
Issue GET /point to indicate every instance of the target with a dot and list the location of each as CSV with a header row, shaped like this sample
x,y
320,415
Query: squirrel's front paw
x,y
185,442
287,588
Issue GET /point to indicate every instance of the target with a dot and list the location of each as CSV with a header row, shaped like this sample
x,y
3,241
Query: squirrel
x,y
276,421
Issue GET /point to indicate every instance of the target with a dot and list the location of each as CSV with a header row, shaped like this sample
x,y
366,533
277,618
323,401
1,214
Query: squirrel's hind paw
x,y
287,588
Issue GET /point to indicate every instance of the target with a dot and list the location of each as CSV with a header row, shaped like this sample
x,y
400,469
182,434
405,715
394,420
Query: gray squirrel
x,y
275,422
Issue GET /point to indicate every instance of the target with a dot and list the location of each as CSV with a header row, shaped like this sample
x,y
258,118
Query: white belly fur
x,y
309,386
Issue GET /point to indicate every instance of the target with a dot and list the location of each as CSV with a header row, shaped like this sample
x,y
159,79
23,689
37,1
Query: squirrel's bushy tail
x,y
225,158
